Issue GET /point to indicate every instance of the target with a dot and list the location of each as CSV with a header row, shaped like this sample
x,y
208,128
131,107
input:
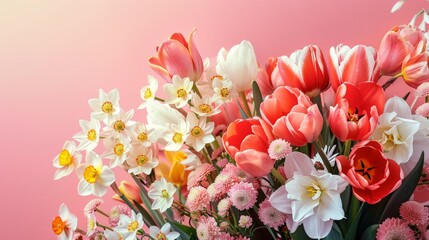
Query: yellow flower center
x,y
389,137
205,108
133,226
181,93
58,225
91,135
91,225
65,158
141,159
161,236
164,194
196,131
118,149
90,174
216,76
119,126
177,138
147,93
107,107
311,191
224,92
142,136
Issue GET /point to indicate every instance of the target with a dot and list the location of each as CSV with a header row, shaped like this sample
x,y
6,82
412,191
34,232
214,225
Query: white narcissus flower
x,y
141,160
141,134
200,132
128,226
179,91
67,160
105,106
204,107
64,224
147,93
239,65
91,224
116,150
164,233
224,90
94,177
396,130
176,135
120,126
112,235
90,136
191,160
162,194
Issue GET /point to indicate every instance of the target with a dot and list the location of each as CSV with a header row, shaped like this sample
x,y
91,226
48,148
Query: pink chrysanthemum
x,y
245,221
222,162
223,207
217,153
242,238
424,178
278,149
198,199
414,213
225,236
207,229
270,216
178,215
223,226
219,129
199,175
394,228
423,110
115,212
422,90
92,205
242,195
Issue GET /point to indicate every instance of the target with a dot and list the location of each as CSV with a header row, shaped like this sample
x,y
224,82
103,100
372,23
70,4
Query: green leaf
x,y
242,112
351,232
185,231
257,98
406,96
335,233
146,216
300,234
370,232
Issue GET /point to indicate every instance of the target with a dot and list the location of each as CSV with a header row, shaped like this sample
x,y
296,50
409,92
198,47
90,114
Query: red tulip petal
x,y
253,162
176,59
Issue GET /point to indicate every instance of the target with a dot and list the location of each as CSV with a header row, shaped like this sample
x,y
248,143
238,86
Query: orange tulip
x,y
131,191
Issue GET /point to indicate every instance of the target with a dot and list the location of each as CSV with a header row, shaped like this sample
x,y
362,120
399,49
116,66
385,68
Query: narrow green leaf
x,y
146,216
257,98
185,231
300,234
335,233
242,112
370,232
352,231
406,96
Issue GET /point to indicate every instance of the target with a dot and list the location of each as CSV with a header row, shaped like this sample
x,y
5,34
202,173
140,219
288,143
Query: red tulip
x,y
354,65
356,112
371,175
415,70
176,56
269,78
293,116
247,142
306,70
395,46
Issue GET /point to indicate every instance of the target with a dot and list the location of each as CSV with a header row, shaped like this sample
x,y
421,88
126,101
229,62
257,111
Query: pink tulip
x,y
306,70
395,46
415,70
130,190
269,78
247,142
356,112
293,116
354,65
176,56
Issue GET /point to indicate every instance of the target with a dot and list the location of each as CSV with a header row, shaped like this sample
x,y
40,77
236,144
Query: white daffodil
x,y
164,233
94,177
204,107
191,161
128,226
105,106
162,194
200,132
147,93
91,224
141,134
224,90
120,126
116,150
176,135
141,160
64,224
396,130
112,235
67,160
179,91
90,136
330,154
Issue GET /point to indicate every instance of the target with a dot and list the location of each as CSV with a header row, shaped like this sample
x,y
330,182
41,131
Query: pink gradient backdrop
x,y
55,55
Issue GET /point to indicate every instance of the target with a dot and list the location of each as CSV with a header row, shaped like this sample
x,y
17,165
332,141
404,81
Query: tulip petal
x,y
176,59
195,55
254,162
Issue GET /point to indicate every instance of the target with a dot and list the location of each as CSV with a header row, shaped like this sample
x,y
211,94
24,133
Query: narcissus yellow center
x,y
161,236
196,131
119,126
141,159
164,194
147,93
90,174
91,135
133,226
205,108
181,93
224,92
142,136
177,138
65,158
118,149
107,107
216,76
91,225
58,225
311,191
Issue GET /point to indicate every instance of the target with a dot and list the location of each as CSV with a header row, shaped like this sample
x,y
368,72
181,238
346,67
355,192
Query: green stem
x,y
104,226
196,90
389,82
347,147
324,157
354,209
245,104
159,99
102,212
423,183
278,176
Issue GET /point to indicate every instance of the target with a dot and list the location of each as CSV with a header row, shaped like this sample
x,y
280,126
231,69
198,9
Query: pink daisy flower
x,y
423,110
245,221
242,195
278,149
198,199
223,207
424,178
92,205
219,129
222,162
178,215
199,175
414,213
115,212
422,90
394,228
207,229
225,236
270,216
217,153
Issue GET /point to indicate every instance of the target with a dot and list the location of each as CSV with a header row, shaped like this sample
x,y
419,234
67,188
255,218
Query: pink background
x,y
55,55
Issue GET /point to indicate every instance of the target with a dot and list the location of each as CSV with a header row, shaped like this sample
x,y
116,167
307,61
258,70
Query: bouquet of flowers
x,y
306,147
